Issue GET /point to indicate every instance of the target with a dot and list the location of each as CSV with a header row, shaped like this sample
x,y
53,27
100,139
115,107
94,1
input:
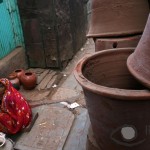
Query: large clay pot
x,y
14,80
120,42
28,80
117,17
139,62
115,101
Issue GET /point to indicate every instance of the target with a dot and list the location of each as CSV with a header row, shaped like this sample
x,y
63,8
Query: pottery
x,y
28,80
115,100
14,80
117,17
120,42
19,73
139,62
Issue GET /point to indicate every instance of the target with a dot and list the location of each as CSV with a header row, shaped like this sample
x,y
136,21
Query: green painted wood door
x,y
10,27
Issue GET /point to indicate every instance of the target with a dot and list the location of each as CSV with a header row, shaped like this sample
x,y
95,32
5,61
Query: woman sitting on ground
x,y
15,113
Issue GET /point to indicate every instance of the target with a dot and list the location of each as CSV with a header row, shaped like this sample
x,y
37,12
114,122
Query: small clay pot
x,y
19,73
14,80
28,80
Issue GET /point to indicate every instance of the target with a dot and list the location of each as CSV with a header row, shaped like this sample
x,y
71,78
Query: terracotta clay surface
x,y
139,62
19,73
14,80
114,99
28,80
117,17
121,42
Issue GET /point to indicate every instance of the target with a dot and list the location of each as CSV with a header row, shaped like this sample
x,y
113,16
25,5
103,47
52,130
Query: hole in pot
x,y
18,70
110,70
115,44
28,73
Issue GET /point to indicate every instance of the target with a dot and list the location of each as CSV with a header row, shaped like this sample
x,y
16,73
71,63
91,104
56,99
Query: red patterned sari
x,y
15,113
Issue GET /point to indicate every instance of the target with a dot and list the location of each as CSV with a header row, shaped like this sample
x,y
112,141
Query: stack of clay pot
x,y
117,23
25,78
116,83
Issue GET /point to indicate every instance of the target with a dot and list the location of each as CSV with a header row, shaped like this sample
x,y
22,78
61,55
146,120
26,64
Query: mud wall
x,y
54,30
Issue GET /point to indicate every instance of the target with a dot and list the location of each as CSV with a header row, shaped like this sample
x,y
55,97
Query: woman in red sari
x,y
15,113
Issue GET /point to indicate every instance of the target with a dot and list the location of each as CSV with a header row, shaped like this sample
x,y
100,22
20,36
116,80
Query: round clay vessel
x,y
19,73
117,17
115,100
28,80
139,62
120,42
14,80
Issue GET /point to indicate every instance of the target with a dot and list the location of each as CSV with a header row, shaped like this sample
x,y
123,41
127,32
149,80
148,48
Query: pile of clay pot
x,y
116,79
21,77
117,24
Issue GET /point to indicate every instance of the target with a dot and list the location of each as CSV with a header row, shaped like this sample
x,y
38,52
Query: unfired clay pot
x,y
115,101
139,62
28,80
117,17
14,80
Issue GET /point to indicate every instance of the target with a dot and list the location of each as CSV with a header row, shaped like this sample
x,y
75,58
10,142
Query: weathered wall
x,y
15,60
54,30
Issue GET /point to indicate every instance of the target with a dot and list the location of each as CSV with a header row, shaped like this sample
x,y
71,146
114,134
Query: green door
x,y
10,27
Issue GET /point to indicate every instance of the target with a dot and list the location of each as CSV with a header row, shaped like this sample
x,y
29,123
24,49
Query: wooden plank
x,y
49,131
41,77
36,70
54,80
46,80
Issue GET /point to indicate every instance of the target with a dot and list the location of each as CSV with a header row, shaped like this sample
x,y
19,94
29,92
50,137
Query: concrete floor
x,y
57,126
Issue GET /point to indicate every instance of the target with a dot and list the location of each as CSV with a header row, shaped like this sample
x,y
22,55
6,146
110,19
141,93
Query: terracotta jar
x,y
117,17
14,80
28,80
19,73
120,42
116,101
139,62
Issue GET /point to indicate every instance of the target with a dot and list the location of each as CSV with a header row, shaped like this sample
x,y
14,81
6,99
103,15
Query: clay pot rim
x,y
138,75
113,34
18,70
122,94
12,75
28,73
